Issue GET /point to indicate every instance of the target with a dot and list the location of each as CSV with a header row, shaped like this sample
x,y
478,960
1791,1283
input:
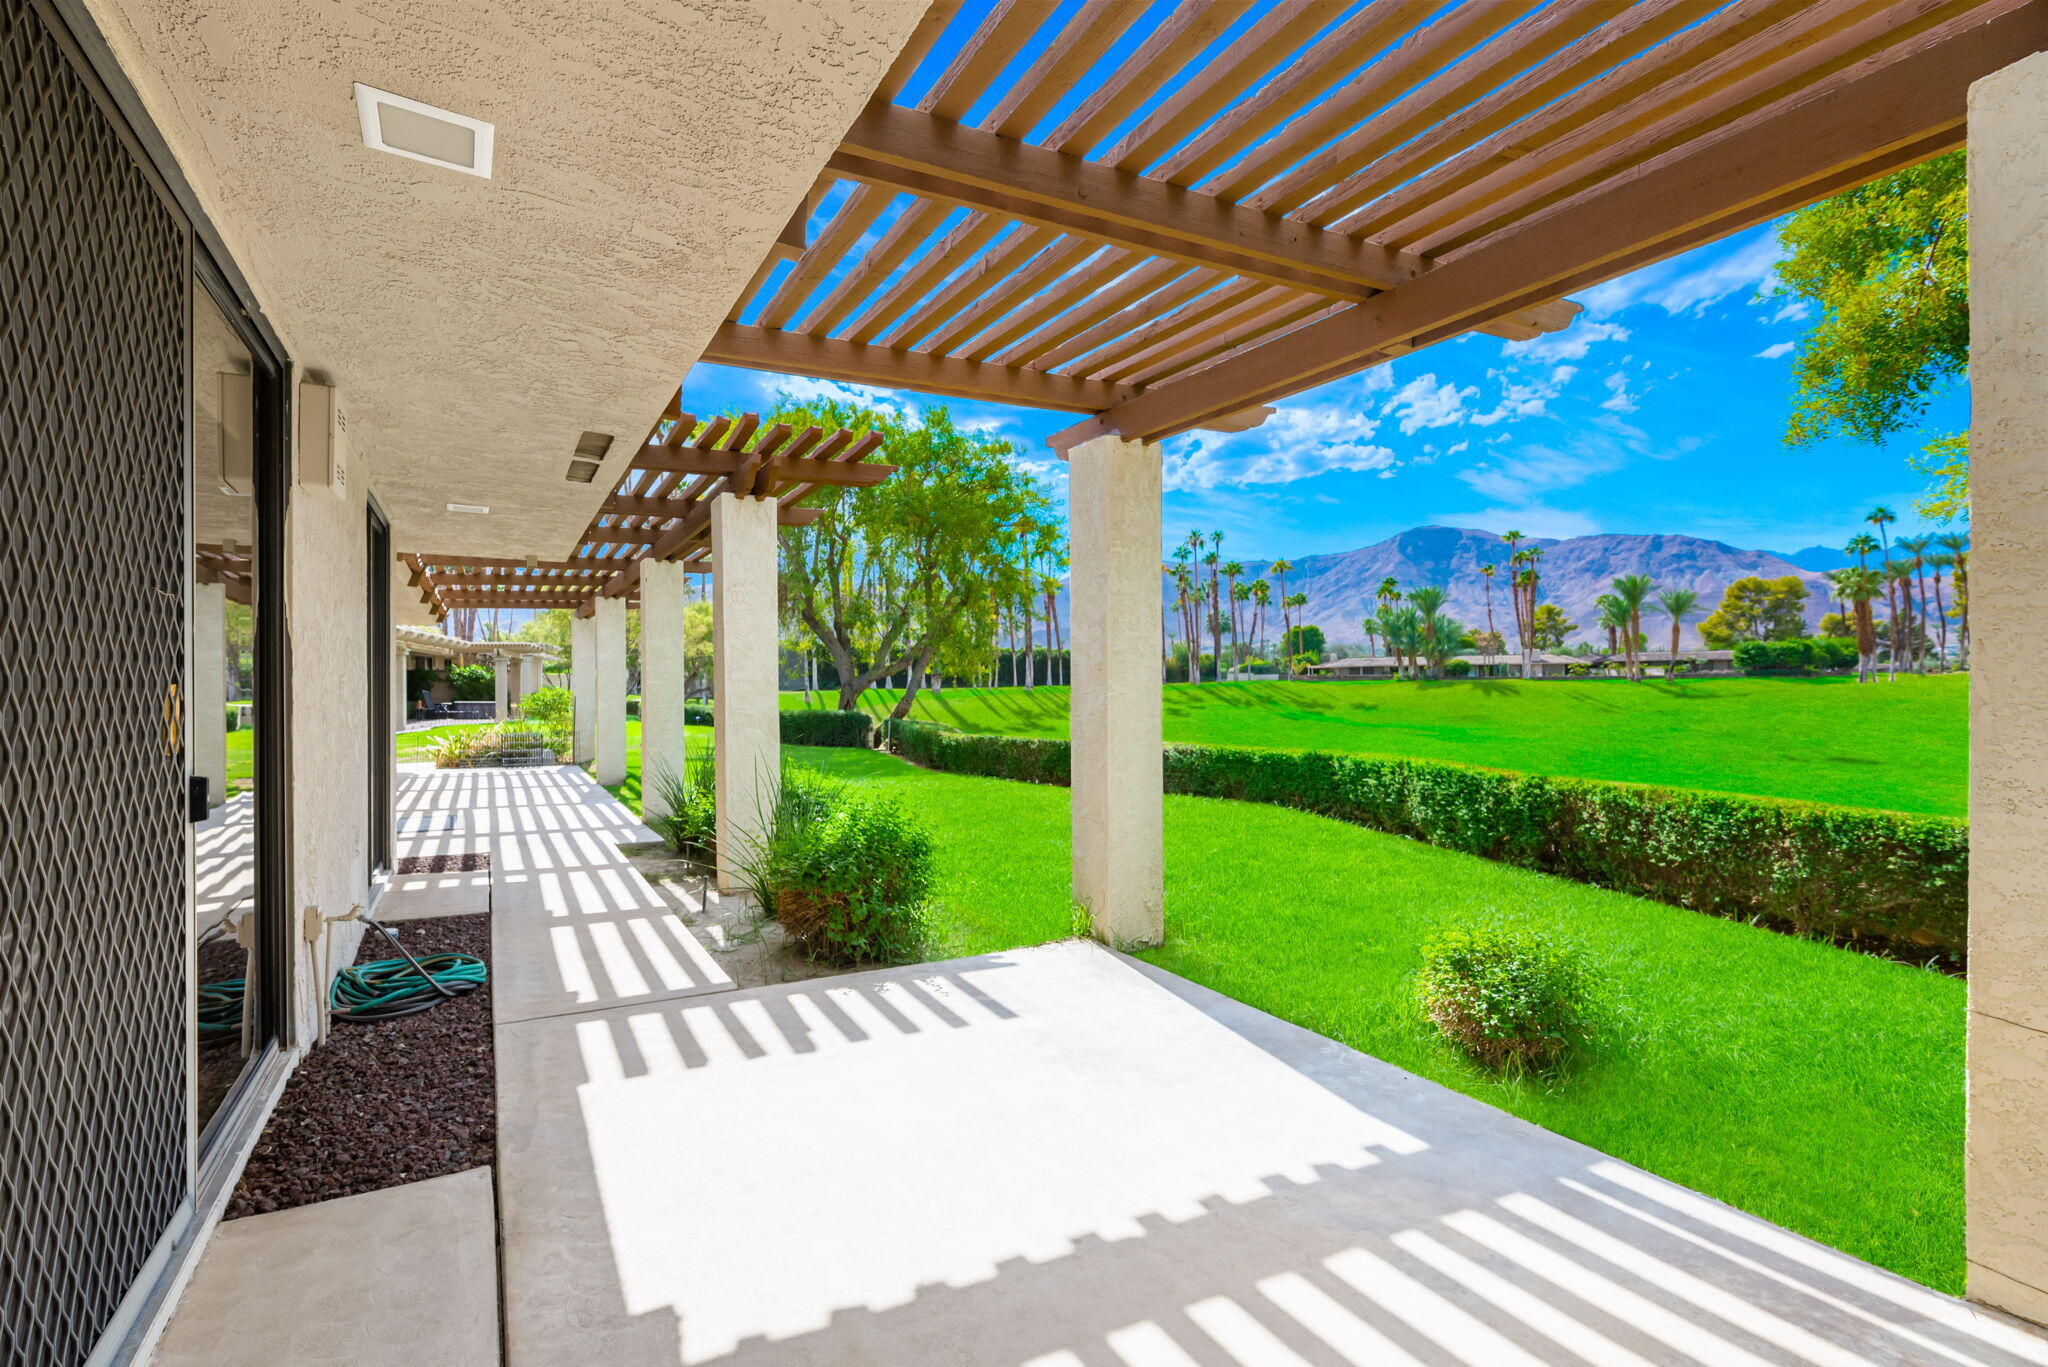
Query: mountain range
x,y
1576,571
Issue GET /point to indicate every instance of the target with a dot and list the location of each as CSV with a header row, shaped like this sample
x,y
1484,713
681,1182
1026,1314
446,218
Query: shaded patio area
x,y
1056,1156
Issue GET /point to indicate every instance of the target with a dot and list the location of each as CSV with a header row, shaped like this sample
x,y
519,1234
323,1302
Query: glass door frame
x,y
269,999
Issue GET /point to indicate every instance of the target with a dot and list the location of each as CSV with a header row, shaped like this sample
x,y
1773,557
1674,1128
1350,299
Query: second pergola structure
x,y
689,501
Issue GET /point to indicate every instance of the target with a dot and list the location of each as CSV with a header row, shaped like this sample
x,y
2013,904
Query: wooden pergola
x,y
661,509
1323,190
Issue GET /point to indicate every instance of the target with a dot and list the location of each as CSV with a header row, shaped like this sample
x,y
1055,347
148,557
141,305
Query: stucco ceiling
x,y
647,153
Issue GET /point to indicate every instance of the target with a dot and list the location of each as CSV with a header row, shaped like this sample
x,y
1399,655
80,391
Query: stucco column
x,y
744,644
2007,1156
209,688
583,684
1115,719
662,690
501,692
609,754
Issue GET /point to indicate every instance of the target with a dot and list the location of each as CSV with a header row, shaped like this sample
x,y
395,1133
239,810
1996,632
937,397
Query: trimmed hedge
x,y
1799,655
851,729
1836,871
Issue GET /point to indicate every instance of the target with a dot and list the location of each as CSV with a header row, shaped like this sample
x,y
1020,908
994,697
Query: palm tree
x,y
1262,595
1051,589
1291,601
1612,617
1857,587
1232,571
1941,563
1402,630
1633,590
1215,598
1442,637
1860,546
1372,627
1486,578
1429,603
1527,583
1916,587
1958,548
1897,574
1677,604
1278,569
1881,517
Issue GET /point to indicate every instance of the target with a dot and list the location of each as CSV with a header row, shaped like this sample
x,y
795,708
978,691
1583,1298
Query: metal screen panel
x,y
94,279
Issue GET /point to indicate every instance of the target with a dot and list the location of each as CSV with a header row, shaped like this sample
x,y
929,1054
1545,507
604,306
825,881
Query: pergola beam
x,y
728,463
1740,176
907,151
796,353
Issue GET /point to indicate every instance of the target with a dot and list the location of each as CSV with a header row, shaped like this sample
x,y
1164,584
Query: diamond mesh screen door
x,y
95,269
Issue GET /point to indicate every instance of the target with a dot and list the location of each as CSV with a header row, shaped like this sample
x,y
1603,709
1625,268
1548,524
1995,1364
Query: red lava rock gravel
x,y
388,1103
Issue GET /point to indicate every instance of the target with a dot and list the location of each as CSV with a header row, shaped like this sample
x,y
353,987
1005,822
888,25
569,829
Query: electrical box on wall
x,y
324,454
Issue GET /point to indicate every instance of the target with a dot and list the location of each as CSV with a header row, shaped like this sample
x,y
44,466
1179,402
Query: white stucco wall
x,y
1115,711
663,691
745,650
2007,1163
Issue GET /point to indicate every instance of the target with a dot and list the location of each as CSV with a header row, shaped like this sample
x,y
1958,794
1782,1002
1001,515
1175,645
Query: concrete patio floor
x,y
1052,1157
1060,1157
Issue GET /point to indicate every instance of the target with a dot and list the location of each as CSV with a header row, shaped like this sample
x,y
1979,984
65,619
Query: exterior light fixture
x,y
408,128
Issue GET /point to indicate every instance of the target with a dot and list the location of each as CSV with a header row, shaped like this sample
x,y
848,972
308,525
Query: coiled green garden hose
x,y
383,989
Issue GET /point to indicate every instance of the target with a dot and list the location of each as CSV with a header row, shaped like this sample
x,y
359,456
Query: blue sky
x,y
1662,409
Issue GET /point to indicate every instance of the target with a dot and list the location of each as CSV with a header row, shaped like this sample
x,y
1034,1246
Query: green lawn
x,y
1900,746
1813,1086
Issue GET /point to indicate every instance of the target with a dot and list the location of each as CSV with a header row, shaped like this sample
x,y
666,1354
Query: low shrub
x,y
552,707
691,826
696,714
1512,1000
473,683
1457,669
828,728
846,871
1840,872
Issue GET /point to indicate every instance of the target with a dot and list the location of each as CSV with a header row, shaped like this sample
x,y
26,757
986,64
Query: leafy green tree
x,y
889,577
1886,266
1306,639
1757,609
1551,627
1429,602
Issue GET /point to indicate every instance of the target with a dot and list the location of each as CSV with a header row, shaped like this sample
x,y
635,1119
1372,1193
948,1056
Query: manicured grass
x,y
1900,746
1816,1087
1813,1086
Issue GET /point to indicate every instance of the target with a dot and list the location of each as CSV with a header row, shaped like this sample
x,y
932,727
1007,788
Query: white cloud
x,y
1572,344
1792,312
1684,285
1619,399
1533,518
1423,402
805,389
1536,469
1775,350
1524,398
1297,442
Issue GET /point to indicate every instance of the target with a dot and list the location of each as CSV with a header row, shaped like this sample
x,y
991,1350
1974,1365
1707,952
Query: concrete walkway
x,y
1059,1157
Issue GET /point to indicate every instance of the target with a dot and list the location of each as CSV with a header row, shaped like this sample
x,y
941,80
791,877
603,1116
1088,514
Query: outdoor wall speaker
x,y
323,439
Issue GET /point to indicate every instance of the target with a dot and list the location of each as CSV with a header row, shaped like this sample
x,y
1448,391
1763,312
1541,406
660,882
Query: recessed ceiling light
x,y
467,508
408,128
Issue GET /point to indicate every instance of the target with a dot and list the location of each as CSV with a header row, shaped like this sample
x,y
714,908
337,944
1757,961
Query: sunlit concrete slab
x,y
224,862
1057,1157
417,896
391,1278
574,926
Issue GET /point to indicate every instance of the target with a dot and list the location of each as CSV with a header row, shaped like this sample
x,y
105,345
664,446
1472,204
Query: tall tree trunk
x,y
1941,622
1030,649
910,682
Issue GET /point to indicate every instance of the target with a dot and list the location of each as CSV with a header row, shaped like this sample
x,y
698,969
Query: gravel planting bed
x,y
444,863
383,1104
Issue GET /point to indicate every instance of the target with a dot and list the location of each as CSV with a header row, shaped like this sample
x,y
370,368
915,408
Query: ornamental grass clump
x,y
1514,1001
691,825
846,871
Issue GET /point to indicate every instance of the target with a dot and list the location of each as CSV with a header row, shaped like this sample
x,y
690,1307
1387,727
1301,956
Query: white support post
x,y
501,691
583,684
610,752
2006,1159
209,689
745,716
1115,722
662,688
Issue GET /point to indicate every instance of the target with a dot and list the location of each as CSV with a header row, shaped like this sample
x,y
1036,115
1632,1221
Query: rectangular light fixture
x,y
408,128
467,508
